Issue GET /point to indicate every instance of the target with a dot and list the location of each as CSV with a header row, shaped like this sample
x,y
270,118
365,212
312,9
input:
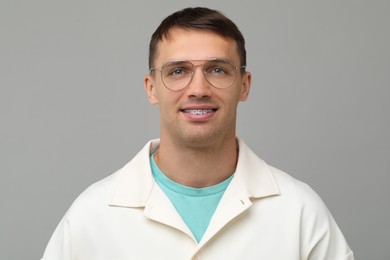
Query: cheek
x,y
230,106
233,99
167,102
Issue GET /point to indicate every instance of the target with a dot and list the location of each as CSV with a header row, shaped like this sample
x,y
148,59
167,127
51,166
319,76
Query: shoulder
x,y
122,183
297,192
261,180
94,199
289,184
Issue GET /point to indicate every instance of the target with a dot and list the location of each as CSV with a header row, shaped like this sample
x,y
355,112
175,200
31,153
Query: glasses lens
x,y
177,75
220,73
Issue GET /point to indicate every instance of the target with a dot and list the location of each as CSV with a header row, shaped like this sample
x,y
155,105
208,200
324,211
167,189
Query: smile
x,y
199,111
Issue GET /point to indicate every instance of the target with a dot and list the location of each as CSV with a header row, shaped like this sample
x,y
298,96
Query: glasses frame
x,y
193,72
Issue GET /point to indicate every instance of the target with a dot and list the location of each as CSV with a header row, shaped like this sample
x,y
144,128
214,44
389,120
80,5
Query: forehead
x,y
182,44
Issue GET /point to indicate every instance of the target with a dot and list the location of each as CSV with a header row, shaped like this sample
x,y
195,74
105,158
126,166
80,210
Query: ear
x,y
246,86
150,88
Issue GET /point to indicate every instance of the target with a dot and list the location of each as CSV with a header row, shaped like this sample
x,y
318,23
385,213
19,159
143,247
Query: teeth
x,y
198,111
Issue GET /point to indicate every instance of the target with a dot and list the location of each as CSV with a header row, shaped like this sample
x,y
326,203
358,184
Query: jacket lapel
x,y
252,179
159,208
135,187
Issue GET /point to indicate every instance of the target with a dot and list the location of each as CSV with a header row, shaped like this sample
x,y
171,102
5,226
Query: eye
x,y
177,72
216,70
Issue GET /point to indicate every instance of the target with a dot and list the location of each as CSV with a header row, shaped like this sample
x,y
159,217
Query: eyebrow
x,y
211,59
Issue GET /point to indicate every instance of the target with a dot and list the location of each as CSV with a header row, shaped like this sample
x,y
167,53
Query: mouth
x,y
199,111
199,114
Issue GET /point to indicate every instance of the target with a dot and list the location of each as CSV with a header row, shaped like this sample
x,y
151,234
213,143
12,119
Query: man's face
x,y
199,114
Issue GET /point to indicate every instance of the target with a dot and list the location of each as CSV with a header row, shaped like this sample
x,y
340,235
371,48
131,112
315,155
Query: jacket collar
x,y
134,182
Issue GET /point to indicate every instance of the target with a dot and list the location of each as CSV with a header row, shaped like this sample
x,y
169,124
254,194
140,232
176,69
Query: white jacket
x,y
264,214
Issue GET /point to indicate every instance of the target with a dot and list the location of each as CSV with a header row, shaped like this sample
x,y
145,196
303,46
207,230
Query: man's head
x,y
198,18
199,56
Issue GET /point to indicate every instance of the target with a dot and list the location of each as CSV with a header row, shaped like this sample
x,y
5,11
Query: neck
x,y
197,166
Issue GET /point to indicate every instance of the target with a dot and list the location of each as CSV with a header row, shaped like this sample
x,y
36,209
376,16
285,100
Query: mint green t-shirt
x,y
196,206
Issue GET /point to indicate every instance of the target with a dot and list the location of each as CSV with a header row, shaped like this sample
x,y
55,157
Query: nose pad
x,y
202,72
199,87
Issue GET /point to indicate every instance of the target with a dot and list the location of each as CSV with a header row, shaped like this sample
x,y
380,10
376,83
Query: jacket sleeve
x,y
331,246
59,246
328,243
321,237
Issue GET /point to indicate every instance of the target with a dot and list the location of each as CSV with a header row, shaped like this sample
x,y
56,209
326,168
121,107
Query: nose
x,y
199,86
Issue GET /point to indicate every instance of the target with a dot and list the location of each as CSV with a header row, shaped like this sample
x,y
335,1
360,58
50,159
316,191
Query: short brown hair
x,y
198,18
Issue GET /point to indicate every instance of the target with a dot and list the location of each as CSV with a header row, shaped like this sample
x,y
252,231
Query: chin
x,y
200,140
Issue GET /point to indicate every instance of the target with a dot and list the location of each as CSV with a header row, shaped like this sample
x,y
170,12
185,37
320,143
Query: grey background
x,y
73,109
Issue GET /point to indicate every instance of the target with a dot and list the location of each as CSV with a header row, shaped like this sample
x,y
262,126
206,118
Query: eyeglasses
x,y
177,75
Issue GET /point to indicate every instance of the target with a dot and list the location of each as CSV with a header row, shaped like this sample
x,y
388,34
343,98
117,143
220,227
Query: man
x,y
198,192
